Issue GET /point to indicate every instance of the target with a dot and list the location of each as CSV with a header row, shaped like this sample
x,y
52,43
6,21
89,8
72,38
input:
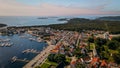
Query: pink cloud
x,y
17,9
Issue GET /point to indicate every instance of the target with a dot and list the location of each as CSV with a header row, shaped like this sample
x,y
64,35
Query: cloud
x,y
13,8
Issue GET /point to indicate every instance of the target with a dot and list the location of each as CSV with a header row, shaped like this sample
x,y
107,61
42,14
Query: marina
x,y
17,50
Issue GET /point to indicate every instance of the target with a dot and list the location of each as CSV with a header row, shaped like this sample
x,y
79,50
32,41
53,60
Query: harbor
x,y
17,50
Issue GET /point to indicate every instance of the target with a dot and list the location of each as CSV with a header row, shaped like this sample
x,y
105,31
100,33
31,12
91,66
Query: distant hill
x,y
79,24
2,25
63,19
110,18
42,18
46,17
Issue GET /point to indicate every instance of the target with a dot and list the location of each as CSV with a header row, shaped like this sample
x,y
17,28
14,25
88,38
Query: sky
x,y
59,7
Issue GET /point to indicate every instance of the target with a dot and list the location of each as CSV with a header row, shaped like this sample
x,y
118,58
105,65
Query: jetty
x,y
30,51
6,44
22,60
4,40
14,59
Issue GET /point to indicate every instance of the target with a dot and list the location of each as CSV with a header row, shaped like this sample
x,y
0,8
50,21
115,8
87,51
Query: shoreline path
x,y
40,57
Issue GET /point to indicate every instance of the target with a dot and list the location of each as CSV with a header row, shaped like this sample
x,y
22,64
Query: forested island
x,y
2,25
42,18
63,19
46,17
110,18
79,24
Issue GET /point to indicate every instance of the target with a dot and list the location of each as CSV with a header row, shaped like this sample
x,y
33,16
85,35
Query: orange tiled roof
x,y
103,63
110,37
57,47
73,62
95,60
54,51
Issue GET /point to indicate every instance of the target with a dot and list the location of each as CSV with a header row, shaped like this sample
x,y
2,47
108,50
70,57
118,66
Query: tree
x,y
91,40
104,55
80,65
100,41
116,38
37,67
51,57
59,58
113,45
116,58
77,52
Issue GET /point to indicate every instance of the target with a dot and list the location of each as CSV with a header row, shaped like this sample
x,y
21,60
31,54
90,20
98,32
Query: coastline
x,y
36,61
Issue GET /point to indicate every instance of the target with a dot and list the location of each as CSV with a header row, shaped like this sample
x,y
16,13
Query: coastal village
x,y
59,33
68,49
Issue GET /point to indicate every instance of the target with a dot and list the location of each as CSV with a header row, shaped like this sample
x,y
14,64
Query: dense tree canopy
x,y
113,45
57,58
51,57
78,24
116,58
116,38
91,40
100,41
2,25
80,65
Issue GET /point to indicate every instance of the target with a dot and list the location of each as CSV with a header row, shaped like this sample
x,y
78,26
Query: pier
x,y
30,51
22,60
6,44
14,59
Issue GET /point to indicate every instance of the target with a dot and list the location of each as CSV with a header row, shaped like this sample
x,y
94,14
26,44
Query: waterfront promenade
x,y
3,27
39,58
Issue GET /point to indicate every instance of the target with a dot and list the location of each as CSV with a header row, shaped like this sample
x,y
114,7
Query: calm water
x,y
27,21
20,44
33,20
